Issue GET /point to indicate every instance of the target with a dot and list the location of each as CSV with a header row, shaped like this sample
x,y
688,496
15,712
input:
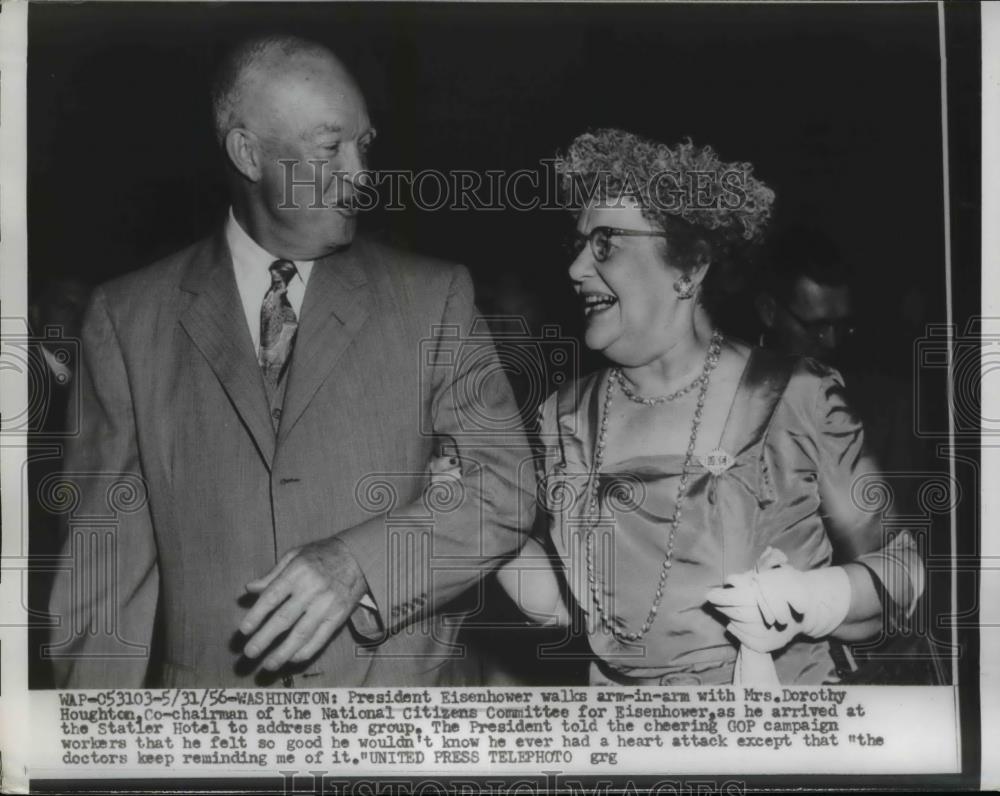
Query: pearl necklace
x,y
597,588
633,396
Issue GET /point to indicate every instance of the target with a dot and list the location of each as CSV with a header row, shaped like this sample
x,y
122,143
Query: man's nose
x,y
349,174
830,338
352,165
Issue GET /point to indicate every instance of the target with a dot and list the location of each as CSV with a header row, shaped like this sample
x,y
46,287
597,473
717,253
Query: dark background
x,y
837,106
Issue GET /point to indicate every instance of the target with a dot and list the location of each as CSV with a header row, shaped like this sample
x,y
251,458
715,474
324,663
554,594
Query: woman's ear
x,y
700,261
243,149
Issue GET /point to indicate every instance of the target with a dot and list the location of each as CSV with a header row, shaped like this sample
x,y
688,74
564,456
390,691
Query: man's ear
x,y
243,149
766,309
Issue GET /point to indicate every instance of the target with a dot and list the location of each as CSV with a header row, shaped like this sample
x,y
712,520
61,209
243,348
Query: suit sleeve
x,y
858,533
460,534
104,599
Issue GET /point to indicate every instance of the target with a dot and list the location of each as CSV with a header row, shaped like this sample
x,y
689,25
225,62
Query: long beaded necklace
x,y
597,588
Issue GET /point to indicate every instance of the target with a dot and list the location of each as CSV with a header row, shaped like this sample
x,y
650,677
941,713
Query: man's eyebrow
x,y
327,128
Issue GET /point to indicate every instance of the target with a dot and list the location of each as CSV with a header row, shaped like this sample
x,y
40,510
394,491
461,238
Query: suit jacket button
x,y
276,413
288,681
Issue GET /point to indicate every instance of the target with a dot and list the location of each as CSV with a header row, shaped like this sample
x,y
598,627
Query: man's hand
x,y
311,591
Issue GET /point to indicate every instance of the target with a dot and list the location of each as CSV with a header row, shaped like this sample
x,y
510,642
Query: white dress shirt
x,y
251,264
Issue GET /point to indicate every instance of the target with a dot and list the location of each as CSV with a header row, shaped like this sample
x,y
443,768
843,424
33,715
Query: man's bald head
x,y
257,68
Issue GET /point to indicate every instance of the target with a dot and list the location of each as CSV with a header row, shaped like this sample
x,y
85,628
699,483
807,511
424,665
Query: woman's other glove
x,y
771,604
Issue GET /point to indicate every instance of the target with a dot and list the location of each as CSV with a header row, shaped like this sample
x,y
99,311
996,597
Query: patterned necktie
x,y
278,323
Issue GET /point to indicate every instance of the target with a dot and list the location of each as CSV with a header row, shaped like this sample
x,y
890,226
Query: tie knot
x,y
282,270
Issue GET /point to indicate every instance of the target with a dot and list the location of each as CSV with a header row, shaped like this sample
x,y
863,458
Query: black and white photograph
x,y
564,393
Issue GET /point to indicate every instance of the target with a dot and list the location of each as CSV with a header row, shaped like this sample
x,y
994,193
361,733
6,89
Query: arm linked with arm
x,y
530,579
411,568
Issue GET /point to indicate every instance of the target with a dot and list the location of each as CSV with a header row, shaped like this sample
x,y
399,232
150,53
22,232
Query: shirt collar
x,y
251,256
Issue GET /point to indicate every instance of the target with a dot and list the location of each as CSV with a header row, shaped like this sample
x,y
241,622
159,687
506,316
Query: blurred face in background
x,y
815,321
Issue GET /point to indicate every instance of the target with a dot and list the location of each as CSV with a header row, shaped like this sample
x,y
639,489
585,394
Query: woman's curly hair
x,y
685,190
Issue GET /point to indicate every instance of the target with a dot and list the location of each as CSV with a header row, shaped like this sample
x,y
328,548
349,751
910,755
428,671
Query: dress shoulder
x,y
816,398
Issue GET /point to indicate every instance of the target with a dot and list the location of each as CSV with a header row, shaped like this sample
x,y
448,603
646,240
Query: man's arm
x,y
473,405
411,568
105,598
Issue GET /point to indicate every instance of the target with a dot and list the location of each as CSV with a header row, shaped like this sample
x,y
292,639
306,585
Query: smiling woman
x,y
699,489
695,205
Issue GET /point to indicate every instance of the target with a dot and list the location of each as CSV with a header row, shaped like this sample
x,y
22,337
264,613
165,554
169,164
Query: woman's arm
x,y
879,577
864,617
528,579
878,567
531,583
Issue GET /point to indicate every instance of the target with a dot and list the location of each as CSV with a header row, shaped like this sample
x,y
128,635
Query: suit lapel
x,y
335,307
218,327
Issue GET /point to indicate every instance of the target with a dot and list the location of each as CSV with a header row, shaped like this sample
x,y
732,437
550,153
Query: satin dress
x,y
801,480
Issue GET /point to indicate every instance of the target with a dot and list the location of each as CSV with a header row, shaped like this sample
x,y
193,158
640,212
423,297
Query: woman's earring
x,y
684,287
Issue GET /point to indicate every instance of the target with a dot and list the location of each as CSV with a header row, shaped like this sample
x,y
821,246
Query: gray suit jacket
x,y
185,483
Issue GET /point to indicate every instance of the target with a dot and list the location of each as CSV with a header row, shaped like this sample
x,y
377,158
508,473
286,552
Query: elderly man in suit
x,y
271,396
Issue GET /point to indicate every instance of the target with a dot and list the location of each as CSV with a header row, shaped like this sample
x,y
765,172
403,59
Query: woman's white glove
x,y
773,603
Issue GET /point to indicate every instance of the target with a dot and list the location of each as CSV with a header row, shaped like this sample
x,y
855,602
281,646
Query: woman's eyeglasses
x,y
600,240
